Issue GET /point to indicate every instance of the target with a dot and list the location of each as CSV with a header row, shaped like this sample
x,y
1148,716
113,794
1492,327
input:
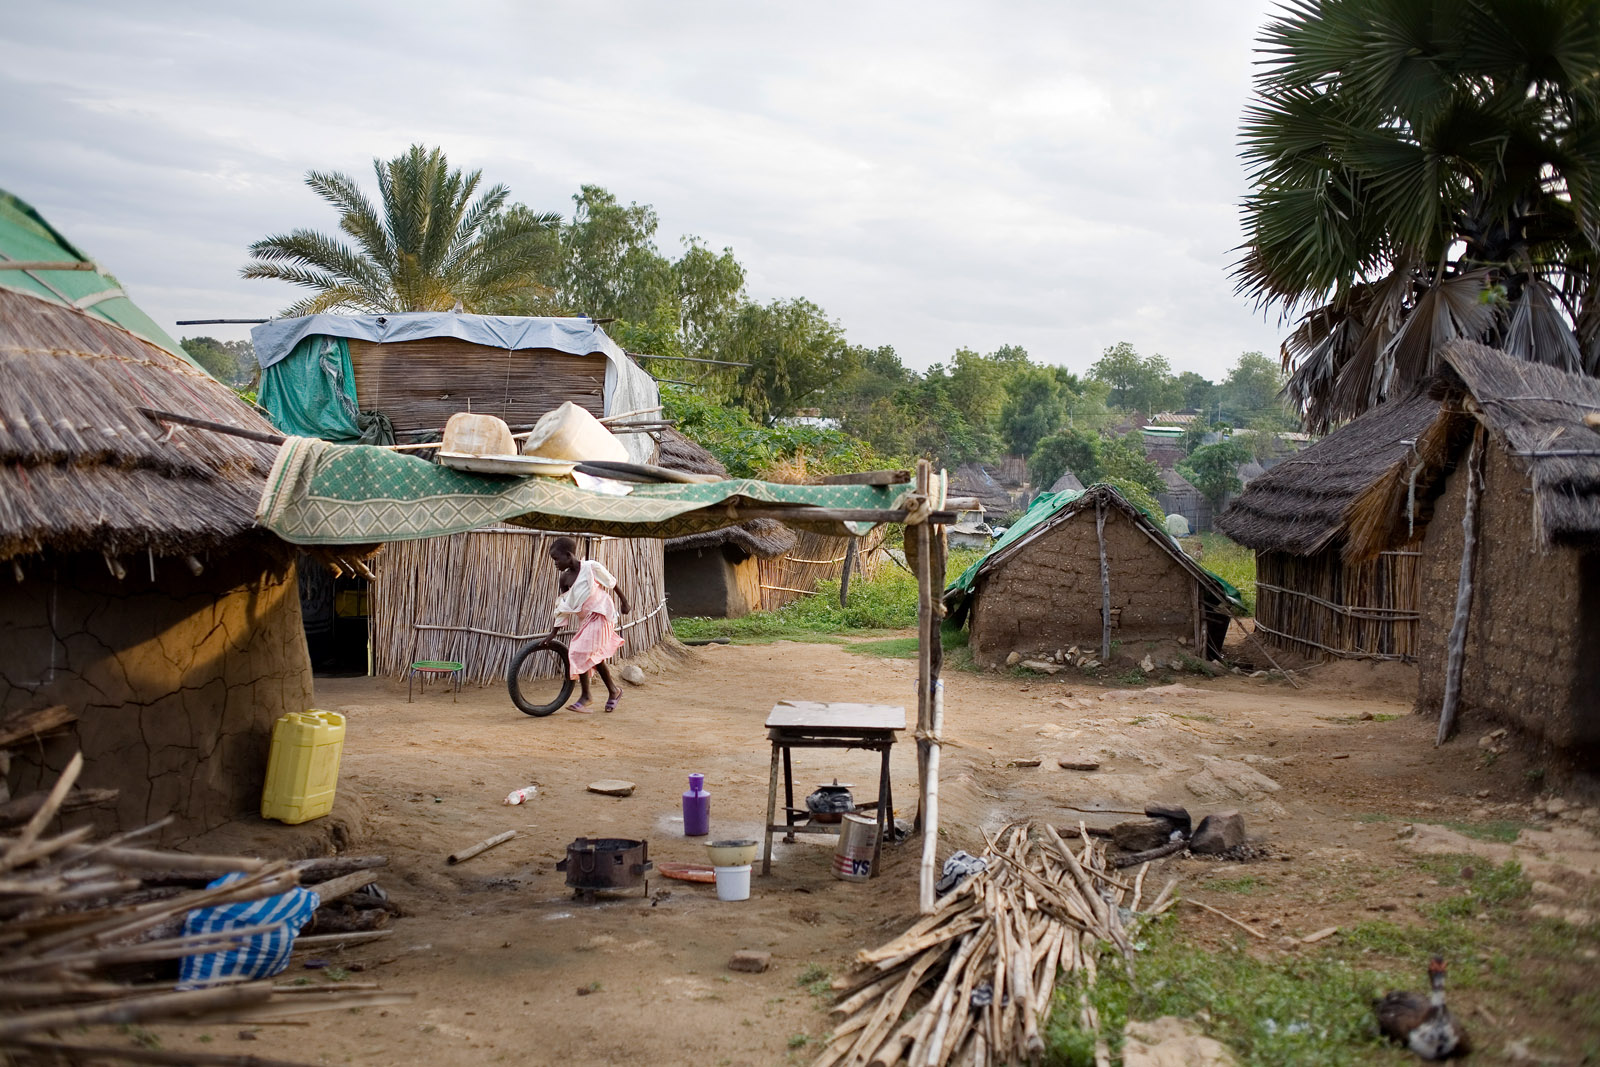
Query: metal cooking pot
x,y
829,803
606,863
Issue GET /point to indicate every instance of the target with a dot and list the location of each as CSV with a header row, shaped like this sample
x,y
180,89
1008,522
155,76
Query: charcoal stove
x,y
606,863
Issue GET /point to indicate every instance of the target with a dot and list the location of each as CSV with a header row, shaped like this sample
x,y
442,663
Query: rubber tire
x,y
514,683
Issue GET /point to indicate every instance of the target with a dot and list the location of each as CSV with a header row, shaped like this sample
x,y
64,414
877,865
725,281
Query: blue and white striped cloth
x,y
257,956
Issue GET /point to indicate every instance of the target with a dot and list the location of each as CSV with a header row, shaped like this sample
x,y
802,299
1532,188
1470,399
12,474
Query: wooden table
x,y
808,724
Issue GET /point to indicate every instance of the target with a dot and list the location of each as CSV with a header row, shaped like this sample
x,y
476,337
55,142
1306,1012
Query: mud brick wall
x,y
1532,656
176,682
1047,596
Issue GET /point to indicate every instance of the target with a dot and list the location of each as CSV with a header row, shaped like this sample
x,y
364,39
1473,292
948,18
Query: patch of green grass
x,y
799,1040
1315,1010
885,602
815,980
1356,720
1247,884
1133,677
1195,718
1233,563
906,647
1502,830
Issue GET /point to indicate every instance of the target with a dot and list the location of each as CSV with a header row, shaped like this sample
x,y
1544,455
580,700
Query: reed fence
x,y
815,558
476,597
1320,605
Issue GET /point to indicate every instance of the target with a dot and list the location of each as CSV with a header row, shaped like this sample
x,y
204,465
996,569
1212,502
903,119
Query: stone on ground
x,y
1218,832
612,787
633,674
1141,835
1078,763
750,961
1170,1042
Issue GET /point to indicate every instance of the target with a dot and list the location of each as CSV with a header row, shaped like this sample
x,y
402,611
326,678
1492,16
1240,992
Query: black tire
x,y
544,654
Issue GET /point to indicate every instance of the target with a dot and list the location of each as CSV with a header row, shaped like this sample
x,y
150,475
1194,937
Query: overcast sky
x,y
1059,175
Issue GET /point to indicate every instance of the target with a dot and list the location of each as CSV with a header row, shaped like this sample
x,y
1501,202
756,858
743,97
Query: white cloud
x,y
1057,175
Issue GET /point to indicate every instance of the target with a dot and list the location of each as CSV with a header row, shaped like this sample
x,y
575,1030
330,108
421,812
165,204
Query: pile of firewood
x,y
91,931
979,973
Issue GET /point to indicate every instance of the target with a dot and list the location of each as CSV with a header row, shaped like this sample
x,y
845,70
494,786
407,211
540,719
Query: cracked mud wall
x,y
176,682
1533,633
1048,595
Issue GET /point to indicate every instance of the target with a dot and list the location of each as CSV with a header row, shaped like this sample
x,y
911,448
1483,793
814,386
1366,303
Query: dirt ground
x,y
507,967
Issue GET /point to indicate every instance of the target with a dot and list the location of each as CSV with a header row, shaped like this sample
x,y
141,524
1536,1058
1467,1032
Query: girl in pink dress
x,y
587,608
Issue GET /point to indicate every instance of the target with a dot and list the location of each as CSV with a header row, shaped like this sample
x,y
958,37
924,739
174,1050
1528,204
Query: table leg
x,y
788,796
885,812
772,802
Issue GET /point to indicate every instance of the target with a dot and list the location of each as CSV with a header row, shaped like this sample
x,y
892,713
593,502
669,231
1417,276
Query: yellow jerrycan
x,y
303,769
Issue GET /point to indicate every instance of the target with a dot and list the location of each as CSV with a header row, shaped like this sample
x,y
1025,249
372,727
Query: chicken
x,y
1423,1024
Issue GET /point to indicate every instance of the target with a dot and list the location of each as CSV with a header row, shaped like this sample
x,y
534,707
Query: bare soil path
x,y
509,968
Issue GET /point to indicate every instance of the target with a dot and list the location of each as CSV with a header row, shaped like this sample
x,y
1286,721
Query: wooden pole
x,y
929,541
1105,579
1456,656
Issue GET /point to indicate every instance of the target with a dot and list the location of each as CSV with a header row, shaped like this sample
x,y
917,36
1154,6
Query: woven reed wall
x,y
497,580
1320,606
420,384
815,557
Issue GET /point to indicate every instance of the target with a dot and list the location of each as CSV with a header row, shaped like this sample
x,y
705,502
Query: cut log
x,y
29,725
21,809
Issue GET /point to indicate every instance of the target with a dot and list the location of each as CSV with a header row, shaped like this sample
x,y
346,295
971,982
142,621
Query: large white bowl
x,y
732,853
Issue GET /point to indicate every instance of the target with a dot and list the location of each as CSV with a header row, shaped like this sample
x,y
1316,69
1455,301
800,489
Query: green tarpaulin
x,y
26,237
312,393
326,494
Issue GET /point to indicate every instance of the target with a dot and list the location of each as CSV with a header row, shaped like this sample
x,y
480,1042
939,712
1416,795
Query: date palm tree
x,y
430,246
1423,170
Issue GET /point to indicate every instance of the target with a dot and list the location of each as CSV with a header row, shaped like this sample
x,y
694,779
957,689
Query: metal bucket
x,y
852,856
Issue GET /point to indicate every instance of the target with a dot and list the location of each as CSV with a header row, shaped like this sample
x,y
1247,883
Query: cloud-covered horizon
x,y
1062,176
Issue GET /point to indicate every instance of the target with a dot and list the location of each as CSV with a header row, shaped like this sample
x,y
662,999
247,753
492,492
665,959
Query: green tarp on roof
x,y
327,494
26,237
1047,506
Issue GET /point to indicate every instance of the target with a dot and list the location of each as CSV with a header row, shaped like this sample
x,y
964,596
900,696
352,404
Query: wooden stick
x,y
339,940
1219,913
134,1054
30,724
21,809
136,1009
461,855
18,850
315,870
1455,659
344,885
1105,579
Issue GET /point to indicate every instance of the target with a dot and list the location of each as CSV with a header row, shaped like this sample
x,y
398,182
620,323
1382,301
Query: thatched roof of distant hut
x,y
80,468
1335,488
762,538
1538,412
1068,482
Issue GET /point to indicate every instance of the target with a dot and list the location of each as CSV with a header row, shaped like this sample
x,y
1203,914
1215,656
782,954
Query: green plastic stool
x,y
435,666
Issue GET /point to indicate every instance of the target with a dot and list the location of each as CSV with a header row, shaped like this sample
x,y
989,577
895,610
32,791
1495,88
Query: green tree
x,y
1122,461
611,267
1137,382
1214,469
435,242
233,363
1077,451
794,350
1251,388
1032,408
1199,392
1422,172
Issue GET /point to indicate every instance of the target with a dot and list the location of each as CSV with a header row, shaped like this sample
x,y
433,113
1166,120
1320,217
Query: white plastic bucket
x,y
733,883
852,857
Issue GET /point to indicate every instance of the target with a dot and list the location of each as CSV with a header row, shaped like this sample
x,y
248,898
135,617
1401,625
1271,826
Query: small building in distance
x,y
1040,587
716,574
139,592
1180,497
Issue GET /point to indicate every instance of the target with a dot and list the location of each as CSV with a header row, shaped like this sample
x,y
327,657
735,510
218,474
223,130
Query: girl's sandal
x,y
611,705
581,707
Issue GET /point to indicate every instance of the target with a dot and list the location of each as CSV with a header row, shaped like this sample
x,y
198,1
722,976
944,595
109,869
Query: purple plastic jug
x,y
696,808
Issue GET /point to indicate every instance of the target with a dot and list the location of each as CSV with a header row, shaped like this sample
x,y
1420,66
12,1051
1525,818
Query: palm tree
x,y
432,246
1423,170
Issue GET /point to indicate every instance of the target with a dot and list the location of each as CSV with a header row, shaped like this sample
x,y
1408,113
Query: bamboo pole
x,y
1105,579
1456,657
463,854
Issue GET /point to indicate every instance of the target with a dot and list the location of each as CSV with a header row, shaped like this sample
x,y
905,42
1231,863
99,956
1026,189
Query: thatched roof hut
x,y
141,594
716,573
1328,580
1513,447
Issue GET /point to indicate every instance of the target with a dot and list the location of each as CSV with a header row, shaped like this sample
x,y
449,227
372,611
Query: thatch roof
x,y
1537,413
82,470
1068,482
1309,503
762,538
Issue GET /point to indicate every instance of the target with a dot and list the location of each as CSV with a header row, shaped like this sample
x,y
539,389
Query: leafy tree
x,y
794,350
1266,431
436,241
1251,388
1032,408
1199,392
1422,172
611,267
1077,451
1214,469
233,363
1137,382
1122,460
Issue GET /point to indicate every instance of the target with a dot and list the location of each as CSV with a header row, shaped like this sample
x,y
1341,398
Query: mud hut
x,y
473,597
1180,497
1086,569
1510,566
717,573
138,591
1330,580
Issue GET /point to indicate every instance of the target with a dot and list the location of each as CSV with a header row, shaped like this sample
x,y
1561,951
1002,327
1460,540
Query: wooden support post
x,y
1105,580
930,548
1455,660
